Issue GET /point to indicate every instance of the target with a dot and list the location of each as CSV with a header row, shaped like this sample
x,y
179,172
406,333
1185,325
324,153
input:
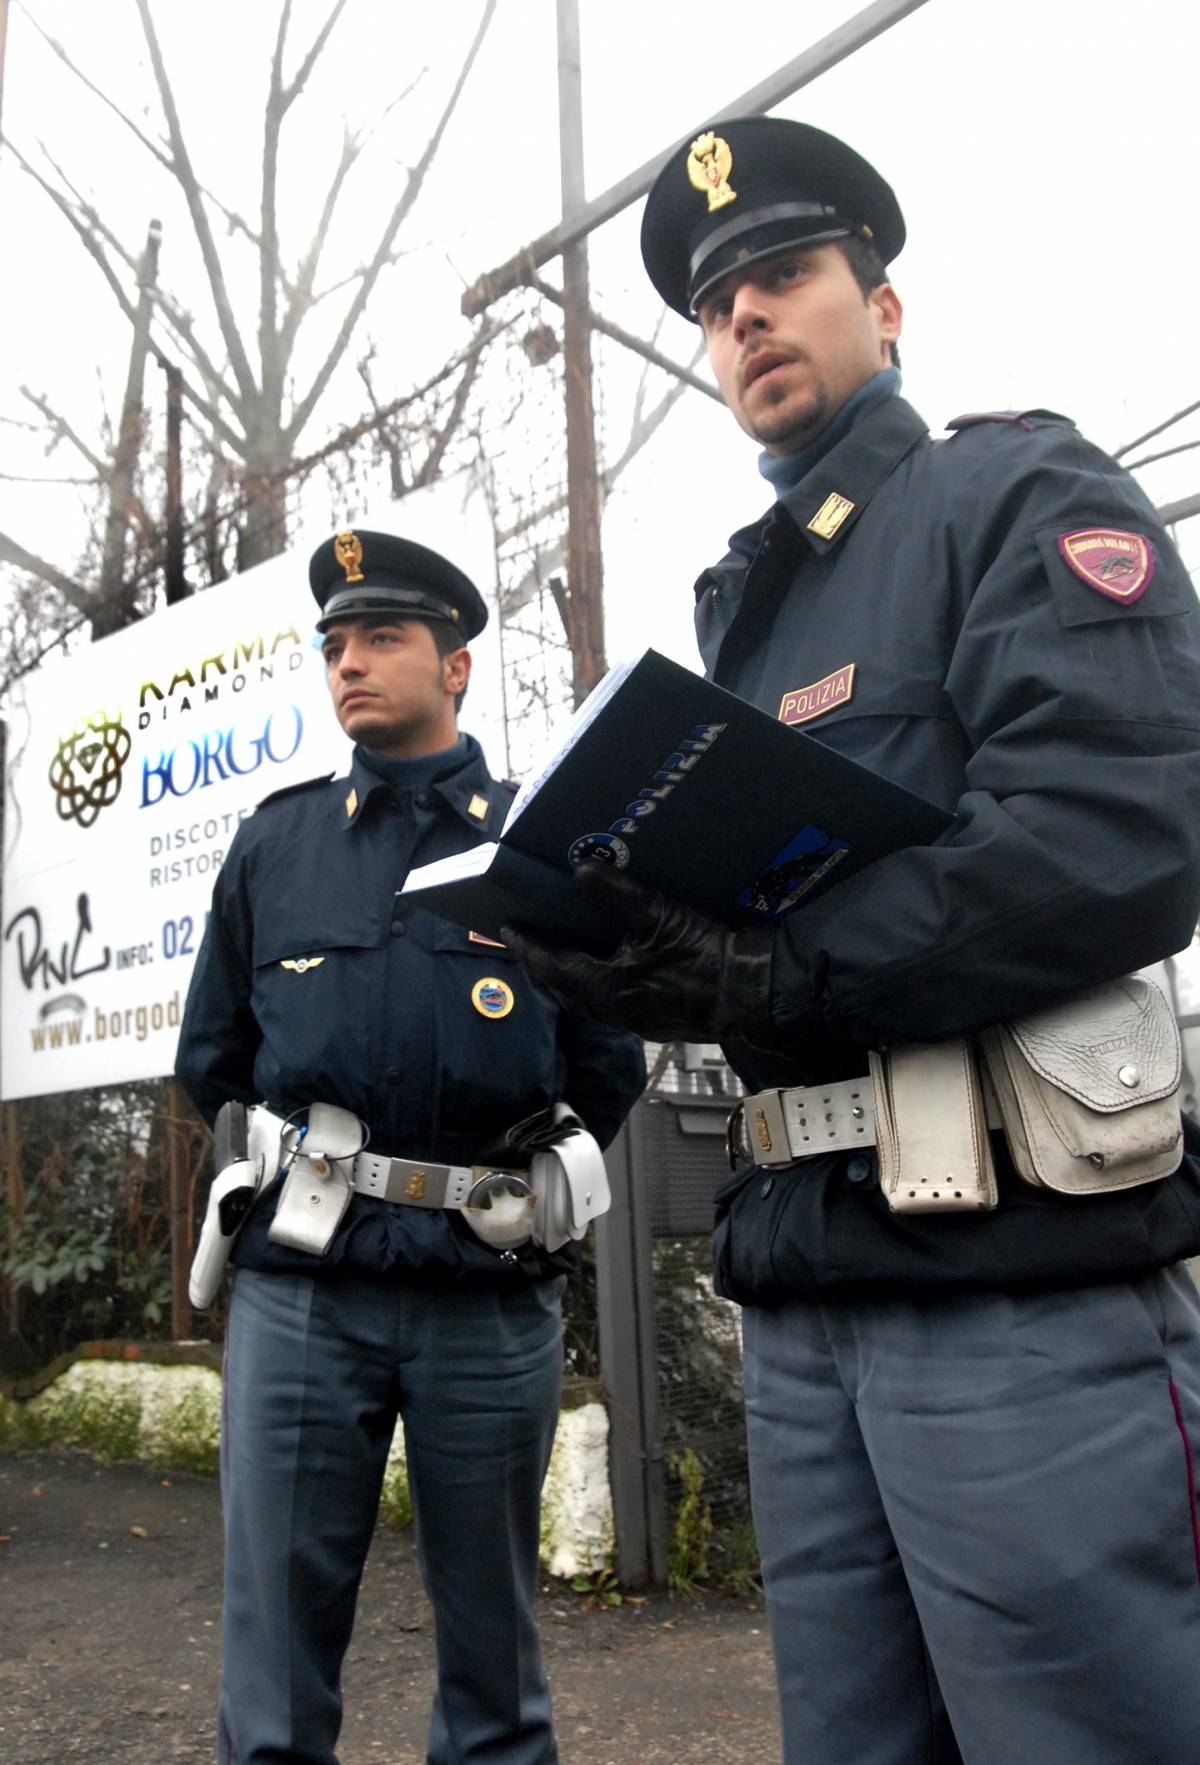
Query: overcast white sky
x,y
1044,152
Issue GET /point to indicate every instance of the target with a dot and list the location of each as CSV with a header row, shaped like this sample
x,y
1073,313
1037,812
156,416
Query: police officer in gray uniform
x,y
973,1396
331,1007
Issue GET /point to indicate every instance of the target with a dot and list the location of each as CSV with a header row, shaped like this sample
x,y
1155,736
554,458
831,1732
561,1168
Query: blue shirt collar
x,y
416,773
785,471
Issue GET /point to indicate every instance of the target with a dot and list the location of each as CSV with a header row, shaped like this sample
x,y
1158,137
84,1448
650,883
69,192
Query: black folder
x,y
689,790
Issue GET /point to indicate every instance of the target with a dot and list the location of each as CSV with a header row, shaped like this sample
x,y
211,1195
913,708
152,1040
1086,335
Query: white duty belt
x,y
780,1126
409,1181
565,1187
799,1121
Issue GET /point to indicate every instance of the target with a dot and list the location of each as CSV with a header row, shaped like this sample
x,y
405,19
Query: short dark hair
x,y
869,271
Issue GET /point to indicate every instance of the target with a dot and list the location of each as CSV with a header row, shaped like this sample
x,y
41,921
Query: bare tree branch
x,y
90,243
179,322
270,359
176,318
79,597
186,178
300,295
387,435
292,92
163,158
94,248
235,221
395,256
275,342
644,426
46,478
458,405
412,190
347,437
64,432
207,409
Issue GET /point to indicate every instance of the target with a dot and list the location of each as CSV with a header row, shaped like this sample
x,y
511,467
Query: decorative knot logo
x,y
85,773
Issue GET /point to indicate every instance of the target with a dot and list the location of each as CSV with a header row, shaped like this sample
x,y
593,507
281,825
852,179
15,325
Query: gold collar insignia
x,y
830,515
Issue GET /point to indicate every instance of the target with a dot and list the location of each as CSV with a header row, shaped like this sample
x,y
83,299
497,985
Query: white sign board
x,y
129,767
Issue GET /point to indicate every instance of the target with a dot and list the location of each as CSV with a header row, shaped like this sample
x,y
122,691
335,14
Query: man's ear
x,y
456,671
889,313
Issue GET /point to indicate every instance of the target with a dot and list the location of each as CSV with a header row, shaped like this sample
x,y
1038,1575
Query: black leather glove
x,y
533,1133
675,975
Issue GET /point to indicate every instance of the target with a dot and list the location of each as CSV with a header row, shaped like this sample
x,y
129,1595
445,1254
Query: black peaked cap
x,y
357,573
749,186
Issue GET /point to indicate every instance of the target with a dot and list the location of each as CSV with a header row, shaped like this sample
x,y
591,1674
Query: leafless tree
x,y
254,398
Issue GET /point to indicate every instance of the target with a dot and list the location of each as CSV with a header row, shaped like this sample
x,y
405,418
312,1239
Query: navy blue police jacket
x,y
914,605
317,981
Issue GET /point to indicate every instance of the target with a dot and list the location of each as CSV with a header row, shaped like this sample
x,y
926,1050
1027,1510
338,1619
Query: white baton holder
x,y
570,1186
320,1180
229,1201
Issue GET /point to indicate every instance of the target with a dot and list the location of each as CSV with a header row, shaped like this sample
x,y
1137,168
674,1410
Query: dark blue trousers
x,y
317,1373
978,1523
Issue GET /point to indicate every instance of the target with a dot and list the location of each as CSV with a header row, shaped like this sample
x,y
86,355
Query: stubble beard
x,y
791,420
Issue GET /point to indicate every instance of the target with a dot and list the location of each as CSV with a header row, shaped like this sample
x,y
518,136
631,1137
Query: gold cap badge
x,y
709,164
347,548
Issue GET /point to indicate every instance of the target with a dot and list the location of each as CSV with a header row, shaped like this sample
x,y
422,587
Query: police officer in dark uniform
x,y
317,986
972,1431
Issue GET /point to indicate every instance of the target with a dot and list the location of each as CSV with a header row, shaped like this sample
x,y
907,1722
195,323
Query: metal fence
x,y
670,1350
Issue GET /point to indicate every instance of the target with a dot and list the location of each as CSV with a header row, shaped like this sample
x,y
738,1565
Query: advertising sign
x,y
129,767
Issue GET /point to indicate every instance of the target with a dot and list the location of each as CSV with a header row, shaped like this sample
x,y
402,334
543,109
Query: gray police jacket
x,y
1000,622
317,981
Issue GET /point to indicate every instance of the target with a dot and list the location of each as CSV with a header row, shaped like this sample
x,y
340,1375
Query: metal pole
x,y
176,584
1183,510
3,44
585,574
179,1210
871,22
629,1361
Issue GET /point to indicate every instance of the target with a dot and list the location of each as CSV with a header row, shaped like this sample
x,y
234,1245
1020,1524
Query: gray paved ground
x,y
109,1601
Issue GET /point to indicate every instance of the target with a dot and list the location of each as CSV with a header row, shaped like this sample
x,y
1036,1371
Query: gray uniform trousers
x,y
987,1500
317,1372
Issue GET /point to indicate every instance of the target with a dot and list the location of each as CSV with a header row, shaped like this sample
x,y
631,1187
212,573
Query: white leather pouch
x,y
570,1182
317,1188
931,1129
1089,1089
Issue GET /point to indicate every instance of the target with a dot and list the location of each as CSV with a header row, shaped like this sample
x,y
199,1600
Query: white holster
x,y
230,1199
570,1186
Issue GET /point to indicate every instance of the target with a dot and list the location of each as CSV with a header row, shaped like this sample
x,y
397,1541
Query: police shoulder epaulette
x,y
1023,419
289,790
